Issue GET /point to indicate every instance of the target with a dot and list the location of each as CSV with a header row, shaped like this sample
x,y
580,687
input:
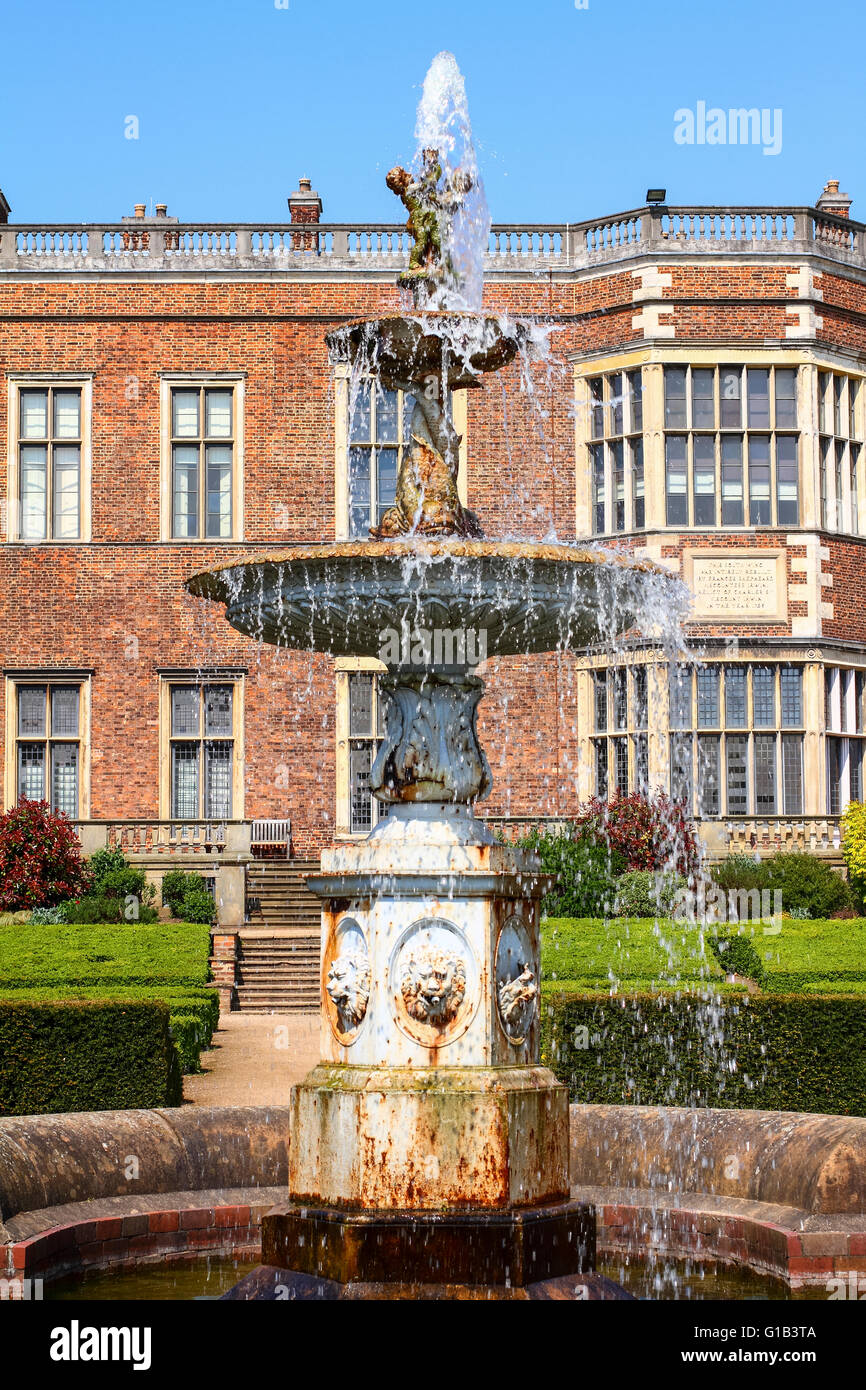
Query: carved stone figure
x,y
430,208
433,985
426,500
431,751
348,985
517,1002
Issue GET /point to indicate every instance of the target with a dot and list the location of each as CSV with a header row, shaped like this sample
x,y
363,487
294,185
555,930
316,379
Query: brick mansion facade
x,y
168,405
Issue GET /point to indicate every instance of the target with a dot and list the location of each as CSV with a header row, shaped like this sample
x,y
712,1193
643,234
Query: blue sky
x,y
573,109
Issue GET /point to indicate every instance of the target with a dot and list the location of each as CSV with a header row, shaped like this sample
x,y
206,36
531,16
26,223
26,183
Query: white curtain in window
x,y
34,492
66,491
219,490
185,490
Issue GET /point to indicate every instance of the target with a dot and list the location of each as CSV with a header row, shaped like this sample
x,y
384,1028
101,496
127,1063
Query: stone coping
x,y
123,1232
804,1250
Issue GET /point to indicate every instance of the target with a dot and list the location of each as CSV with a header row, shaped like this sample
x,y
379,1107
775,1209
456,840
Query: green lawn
x,y
636,954
133,962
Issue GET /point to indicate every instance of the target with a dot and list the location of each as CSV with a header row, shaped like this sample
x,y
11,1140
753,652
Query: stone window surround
x,y
48,675
15,383
810,361
169,676
237,382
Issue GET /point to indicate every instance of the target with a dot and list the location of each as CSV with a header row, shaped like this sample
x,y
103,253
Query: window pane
x,y
840,496
839,411
184,414
675,397
677,483
600,681
408,412
758,381
386,480
787,481
617,460
680,686
703,402
641,763
359,490
620,766
708,698
31,772
361,413
792,773
705,479
360,706
735,697
67,414
826,501
601,777
596,408
31,711
765,775
853,395
637,484
218,705
596,452
732,480
855,483
835,762
620,698
730,391
737,766
64,711
361,801
218,781
184,490
34,492
184,780
218,414
681,769
66,491
185,704
791,679
759,480
387,420
614,387
855,769
709,792
825,402
219,490
786,398
764,696
635,389
640,698
64,778
33,413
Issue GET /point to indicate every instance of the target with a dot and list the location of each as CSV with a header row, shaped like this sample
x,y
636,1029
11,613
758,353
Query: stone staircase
x,y
278,952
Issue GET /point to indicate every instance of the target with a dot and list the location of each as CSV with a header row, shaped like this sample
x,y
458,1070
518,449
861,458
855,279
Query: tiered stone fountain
x,y
429,1147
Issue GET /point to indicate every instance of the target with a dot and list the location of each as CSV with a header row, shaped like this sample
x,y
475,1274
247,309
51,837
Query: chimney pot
x,y
139,209
161,209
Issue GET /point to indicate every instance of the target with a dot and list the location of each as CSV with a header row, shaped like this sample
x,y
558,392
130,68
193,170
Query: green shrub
x,y
102,863
198,906
49,916
854,847
124,883
159,953
59,1057
625,949
644,893
736,955
175,886
586,872
93,910
808,885
741,871
709,1049
189,1039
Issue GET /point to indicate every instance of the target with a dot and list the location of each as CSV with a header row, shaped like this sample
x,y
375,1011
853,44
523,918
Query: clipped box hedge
x,y
711,1048
61,1056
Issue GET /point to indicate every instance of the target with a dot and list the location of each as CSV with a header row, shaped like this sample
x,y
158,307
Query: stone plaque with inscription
x,y
731,586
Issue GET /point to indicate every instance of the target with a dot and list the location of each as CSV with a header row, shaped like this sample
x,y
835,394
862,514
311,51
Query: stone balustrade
x,y
784,834
154,838
314,248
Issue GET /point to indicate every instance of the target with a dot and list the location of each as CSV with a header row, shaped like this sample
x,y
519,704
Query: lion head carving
x,y
348,985
433,985
517,1000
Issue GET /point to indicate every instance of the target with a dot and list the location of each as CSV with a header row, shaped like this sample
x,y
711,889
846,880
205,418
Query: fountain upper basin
x,y
456,347
340,598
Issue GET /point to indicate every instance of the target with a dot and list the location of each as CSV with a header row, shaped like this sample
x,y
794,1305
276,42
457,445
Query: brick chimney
x,y
138,237
4,208
305,206
834,202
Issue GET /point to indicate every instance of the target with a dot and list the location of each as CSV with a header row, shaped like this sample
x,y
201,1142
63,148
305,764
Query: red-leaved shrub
x,y
40,858
649,831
